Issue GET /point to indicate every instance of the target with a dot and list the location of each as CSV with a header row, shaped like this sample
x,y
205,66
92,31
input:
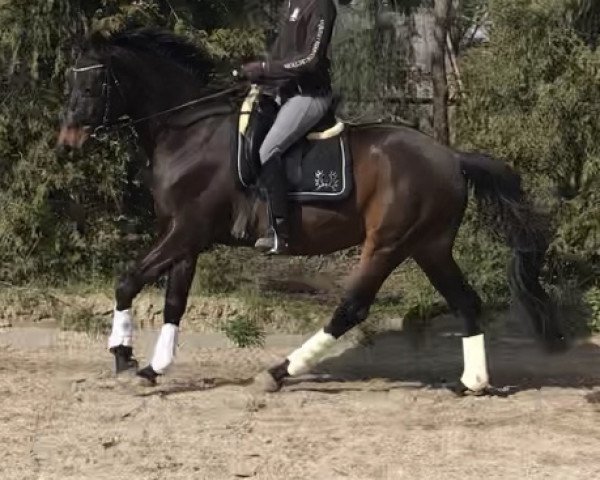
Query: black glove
x,y
253,71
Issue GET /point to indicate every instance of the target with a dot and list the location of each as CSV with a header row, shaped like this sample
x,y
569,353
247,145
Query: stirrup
x,y
272,244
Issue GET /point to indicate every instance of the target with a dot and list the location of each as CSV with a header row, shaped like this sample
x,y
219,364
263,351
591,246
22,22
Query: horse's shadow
x,y
396,360
428,359
190,385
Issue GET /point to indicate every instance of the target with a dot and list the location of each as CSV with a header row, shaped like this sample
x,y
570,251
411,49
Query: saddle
x,y
318,167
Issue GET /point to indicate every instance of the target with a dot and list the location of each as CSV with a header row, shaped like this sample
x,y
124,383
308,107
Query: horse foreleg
x,y
172,246
375,267
180,280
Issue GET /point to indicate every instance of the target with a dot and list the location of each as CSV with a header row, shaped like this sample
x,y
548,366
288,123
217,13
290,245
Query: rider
x,y
298,69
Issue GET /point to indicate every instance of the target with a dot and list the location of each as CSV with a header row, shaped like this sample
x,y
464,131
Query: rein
x,y
183,106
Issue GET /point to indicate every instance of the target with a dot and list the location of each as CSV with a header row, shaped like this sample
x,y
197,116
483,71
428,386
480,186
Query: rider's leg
x,y
294,120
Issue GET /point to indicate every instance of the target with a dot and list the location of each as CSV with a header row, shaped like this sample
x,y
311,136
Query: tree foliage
x,y
64,215
533,99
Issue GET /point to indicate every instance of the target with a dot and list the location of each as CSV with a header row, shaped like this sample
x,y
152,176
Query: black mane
x,y
165,44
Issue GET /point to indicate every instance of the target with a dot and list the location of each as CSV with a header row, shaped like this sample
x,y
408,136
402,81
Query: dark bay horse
x,y
409,198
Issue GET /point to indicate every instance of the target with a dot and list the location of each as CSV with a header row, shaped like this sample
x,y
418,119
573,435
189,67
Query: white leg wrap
x,y
305,357
122,329
475,375
164,350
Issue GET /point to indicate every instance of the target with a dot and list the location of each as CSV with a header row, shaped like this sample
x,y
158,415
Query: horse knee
x,y
174,310
127,288
350,313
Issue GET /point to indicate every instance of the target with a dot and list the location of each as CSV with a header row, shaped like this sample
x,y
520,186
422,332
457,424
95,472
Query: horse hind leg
x,y
375,266
446,276
179,283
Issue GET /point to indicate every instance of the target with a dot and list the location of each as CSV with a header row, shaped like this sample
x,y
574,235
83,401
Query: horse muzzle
x,y
71,136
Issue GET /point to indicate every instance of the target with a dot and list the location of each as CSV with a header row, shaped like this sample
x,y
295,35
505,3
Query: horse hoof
x,y
461,390
124,360
147,376
265,382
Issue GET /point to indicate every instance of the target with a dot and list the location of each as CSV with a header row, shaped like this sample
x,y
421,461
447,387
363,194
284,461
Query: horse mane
x,y
177,49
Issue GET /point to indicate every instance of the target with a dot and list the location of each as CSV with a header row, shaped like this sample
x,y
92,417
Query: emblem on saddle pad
x,y
326,182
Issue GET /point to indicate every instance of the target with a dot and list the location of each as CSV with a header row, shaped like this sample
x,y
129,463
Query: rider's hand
x,y
253,71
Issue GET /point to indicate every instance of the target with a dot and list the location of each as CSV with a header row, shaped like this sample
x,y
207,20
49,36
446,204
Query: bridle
x,y
111,82
107,88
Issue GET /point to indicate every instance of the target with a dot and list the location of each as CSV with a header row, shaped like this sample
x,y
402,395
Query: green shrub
x,y
532,100
592,299
244,331
64,216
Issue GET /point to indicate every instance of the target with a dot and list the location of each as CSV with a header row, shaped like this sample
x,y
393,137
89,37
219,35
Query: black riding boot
x,y
274,181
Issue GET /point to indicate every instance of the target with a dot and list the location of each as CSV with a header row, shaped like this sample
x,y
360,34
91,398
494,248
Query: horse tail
x,y
506,211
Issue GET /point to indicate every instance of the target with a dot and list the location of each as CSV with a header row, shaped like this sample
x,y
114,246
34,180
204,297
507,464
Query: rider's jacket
x,y
299,61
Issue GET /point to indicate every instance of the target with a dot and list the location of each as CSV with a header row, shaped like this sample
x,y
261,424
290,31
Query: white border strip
x,y
239,159
88,68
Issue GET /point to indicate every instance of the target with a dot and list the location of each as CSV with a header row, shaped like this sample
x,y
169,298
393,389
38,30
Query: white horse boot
x,y
475,374
166,346
164,353
120,341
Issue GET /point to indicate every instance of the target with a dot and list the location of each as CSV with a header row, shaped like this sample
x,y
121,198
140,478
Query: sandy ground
x,y
376,412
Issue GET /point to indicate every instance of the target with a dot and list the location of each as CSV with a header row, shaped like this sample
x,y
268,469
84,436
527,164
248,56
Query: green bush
x,y
533,99
592,299
64,216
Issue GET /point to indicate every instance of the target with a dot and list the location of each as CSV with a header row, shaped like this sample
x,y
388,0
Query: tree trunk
x,y
441,131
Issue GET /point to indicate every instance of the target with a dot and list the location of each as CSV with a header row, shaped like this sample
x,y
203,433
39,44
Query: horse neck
x,y
151,86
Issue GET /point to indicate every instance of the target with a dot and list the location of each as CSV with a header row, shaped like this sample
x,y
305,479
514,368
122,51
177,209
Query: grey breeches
x,y
294,120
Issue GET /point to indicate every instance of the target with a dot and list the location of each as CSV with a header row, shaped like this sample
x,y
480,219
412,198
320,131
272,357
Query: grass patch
x,y
244,332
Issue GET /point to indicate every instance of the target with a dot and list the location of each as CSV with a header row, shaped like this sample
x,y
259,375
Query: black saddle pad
x,y
317,170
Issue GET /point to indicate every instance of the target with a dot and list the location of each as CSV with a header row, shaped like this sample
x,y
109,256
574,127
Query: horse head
x,y
134,73
95,100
